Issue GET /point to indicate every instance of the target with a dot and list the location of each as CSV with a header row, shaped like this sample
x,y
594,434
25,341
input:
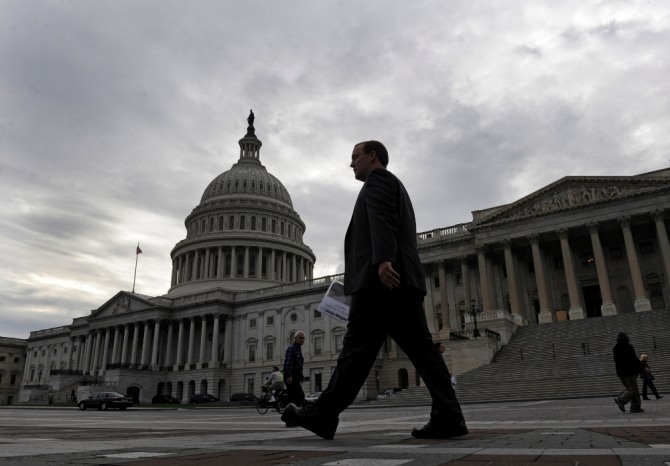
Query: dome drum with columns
x,y
244,234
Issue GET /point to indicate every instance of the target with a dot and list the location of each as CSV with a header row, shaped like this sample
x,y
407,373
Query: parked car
x,y
243,397
105,400
313,396
164,399
203,398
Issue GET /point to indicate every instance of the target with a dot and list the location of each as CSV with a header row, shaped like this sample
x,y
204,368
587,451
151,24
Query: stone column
x,y
136,341
576,311
273,265
191,341
105,349
214,359
206,268
233,262
228,341
115,347
641,301
154,349
428,306
444,300
187,268
203,340
465,276
70,355
168,349
145,343
124,346
513,283
194,270
245,267
87,352
483,278
662,235
180,344
607,308
219,272
545,315
96,352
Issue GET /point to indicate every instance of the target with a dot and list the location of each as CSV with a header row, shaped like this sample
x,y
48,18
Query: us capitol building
x,y
242,284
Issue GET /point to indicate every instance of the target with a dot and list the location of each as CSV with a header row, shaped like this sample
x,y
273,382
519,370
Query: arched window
x,y
221,222
231,222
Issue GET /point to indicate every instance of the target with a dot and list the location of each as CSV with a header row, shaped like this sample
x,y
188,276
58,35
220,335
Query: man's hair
x,y
621,337
298,333
275,368
379,150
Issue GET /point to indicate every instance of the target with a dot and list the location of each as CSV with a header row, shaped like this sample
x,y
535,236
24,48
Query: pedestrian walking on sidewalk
x,y
628,366
384,277
647,379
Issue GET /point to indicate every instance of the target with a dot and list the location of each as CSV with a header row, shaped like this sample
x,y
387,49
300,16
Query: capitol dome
x,y
244,233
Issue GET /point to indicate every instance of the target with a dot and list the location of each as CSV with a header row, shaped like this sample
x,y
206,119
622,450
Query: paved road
x,y
565,432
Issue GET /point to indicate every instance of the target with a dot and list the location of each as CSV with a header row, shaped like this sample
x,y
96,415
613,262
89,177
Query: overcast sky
x,y
116,115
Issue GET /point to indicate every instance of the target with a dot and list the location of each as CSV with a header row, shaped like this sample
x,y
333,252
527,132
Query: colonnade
x,y
489,291
147,344
240,261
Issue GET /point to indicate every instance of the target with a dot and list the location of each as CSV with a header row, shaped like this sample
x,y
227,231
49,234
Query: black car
x,y
164,399
203,398
243,397
105,400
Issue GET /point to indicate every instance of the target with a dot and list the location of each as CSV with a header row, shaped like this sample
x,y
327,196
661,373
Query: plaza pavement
x,y
584,432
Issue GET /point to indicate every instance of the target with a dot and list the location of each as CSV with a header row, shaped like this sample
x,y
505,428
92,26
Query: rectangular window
x,y
253,223
317,314
646,247
252,323
250,384
436,281
16,360
338,342
0,379
243,223
459,278
616,253
231,223
252,353
531,267
2,358
281,228
269,350
221,222
270,320
12,381
558,262
317,346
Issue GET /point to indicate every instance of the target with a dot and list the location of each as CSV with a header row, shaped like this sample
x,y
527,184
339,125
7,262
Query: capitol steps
x,y
561,360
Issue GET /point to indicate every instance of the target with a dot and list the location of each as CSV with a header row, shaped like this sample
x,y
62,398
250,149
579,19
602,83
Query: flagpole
x,y
137,255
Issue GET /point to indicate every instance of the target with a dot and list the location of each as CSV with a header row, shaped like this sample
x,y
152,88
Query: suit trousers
x,y
376,313
294,391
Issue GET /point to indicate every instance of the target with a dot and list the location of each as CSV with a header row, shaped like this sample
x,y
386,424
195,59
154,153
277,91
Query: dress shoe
x,y
659,397
312,419
636,410
620,404
645,398
433,430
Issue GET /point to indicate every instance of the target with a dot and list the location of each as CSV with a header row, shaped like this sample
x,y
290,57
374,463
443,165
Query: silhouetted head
x,y
621,337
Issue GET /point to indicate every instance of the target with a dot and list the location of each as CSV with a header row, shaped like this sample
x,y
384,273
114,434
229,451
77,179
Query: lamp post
x,y
474,312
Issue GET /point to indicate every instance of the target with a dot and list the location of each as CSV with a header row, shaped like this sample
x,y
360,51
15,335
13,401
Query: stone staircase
x,y
570,359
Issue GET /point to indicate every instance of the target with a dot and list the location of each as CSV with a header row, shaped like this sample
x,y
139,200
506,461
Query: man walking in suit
x,y
384,276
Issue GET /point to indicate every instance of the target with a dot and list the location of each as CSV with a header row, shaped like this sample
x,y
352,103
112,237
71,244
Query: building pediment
x,y
572,193
122,303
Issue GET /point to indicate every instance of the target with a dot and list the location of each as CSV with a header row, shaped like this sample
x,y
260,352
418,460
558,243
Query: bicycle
x,y
263,404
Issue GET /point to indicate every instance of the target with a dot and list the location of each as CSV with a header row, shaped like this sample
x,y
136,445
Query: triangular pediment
x,y
572,193
122,303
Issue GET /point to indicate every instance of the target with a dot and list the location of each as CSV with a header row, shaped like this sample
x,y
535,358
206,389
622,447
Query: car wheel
x,y
82,407
122,408
104,406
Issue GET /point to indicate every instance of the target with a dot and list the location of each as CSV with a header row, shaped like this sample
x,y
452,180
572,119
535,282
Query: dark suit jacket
x,y
382,228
